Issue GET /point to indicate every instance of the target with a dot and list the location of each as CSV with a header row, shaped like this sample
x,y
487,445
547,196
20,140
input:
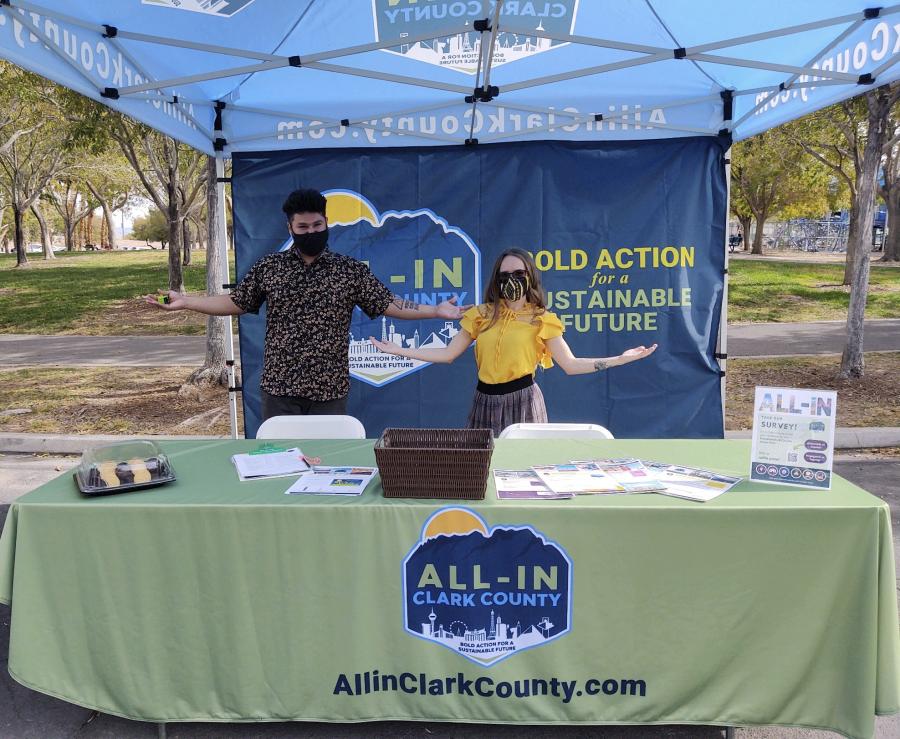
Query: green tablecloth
x,y
211,599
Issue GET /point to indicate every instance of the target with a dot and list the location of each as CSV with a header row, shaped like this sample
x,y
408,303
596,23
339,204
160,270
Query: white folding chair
x,y
555,431
311,427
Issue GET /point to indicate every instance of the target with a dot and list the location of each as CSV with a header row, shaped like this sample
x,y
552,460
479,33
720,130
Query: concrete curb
x,y
11,443
65,444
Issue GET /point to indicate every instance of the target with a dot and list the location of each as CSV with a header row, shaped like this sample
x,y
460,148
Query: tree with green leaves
x,y
878,107
72,201
846,139
171,174
771,176
151,227
33,141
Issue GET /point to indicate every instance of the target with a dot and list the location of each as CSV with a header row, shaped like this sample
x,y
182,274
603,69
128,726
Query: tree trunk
x,y
18,220
853,360
758,236
176,274
69,235
201,237
186,242
745,230
213,371
45,232
892,237
855,233
110,223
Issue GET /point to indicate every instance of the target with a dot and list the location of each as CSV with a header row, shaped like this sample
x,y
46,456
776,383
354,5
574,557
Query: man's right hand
x,y
176,301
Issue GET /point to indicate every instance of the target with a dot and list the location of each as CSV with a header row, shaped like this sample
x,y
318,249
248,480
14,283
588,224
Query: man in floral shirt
x,y
310,292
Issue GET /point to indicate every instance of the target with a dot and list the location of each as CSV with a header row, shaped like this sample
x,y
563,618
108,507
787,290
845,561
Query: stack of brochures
x,y
321,480
610,477
268,462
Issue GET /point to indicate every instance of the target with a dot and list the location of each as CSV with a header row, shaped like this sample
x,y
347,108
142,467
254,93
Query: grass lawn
x,y
760,292
98,293
95,293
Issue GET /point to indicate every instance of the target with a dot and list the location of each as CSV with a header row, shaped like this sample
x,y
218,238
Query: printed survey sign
x,y
793,436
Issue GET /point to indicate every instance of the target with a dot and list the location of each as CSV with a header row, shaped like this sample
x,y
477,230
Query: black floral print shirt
x,y
308,312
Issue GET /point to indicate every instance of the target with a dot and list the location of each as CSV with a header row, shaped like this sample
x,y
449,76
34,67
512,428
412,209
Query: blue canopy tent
x,y
236,76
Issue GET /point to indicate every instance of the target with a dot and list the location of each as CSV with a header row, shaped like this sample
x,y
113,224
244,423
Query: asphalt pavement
x,y
744,340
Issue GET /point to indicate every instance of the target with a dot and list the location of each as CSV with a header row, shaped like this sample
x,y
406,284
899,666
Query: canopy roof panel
x,y
249,75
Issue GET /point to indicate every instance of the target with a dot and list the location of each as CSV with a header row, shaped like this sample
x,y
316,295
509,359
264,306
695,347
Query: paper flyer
x,y
333,481
793,436
630,474
691,482
581,478
269,461
523,485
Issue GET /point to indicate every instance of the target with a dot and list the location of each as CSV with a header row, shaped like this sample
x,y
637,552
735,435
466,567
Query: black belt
x,y
502,388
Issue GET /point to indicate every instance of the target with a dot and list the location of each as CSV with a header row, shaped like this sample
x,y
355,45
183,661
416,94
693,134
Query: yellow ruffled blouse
x,y
514,345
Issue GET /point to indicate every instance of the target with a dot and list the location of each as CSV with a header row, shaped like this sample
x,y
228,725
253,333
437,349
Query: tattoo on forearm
x,y
600,365
404,304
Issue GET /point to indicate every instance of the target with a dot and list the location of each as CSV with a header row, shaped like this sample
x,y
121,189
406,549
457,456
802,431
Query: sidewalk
x,y
744,340
814,337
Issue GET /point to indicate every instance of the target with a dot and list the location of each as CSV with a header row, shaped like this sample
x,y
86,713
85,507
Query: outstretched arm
x,y
573,365
402,308
211,305
445,355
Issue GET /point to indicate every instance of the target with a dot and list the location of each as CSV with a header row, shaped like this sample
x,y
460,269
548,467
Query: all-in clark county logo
x,y
407,20
225,8
485,593
419,256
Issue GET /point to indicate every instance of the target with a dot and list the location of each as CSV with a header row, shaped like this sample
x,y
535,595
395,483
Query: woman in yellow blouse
x,y
513,333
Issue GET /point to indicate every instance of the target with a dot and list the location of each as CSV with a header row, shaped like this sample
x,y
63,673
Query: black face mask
x,y
312,243
512,286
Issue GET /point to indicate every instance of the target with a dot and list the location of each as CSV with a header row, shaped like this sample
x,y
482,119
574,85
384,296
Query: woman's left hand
x,y
639,352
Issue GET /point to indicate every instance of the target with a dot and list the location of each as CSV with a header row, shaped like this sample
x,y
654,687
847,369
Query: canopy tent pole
x,y
222,246
722,344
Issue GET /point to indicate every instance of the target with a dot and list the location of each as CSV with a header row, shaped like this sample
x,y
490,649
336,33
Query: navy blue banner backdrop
x,y
628,237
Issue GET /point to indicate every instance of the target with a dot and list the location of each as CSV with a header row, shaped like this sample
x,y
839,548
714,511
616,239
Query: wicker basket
x,y
434,463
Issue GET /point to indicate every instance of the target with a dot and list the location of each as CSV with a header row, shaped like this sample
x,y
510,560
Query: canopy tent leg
x,y
161,730
722,344
222,246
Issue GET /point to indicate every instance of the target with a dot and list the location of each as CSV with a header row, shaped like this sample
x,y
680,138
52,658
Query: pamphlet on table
x,y
691,482
611,476
269,462
321,480
580,478
793,436
523,485
630,474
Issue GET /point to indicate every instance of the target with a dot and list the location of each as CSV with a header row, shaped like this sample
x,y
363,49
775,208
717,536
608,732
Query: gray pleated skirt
x,y
496,412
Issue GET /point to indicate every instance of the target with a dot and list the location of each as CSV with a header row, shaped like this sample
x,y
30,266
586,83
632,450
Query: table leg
x,y
161,730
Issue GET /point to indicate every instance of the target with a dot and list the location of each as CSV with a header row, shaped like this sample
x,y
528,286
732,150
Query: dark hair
x,y
304,201
534,295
